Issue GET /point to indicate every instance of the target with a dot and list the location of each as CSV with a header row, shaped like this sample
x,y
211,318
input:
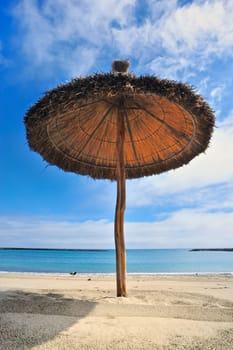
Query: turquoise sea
x,y
103,261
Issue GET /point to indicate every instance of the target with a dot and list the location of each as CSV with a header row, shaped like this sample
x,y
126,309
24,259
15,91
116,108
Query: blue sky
x,y
46,42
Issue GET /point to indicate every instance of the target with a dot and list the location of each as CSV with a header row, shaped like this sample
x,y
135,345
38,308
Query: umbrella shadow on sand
x,y
28,319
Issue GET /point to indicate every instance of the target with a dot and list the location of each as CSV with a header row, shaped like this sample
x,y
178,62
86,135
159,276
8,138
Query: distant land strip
x,y
57,249
212,250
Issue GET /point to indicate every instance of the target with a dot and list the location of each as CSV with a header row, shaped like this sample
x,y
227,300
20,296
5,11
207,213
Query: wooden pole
x,y
120,205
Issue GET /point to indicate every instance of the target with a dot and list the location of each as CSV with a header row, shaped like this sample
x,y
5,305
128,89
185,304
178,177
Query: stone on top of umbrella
x,y
118,126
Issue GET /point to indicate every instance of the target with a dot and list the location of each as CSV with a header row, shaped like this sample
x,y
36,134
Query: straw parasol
x,y
118,126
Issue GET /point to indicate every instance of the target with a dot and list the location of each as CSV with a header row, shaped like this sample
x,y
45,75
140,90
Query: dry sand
x,y
61,312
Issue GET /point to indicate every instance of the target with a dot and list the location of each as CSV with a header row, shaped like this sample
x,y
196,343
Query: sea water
x,y
103,261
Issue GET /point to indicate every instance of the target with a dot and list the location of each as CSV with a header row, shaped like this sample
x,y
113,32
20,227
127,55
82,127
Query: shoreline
x,y
113,249
207,273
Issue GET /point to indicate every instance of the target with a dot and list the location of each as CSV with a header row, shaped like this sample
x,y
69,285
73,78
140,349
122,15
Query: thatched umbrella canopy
x,y
117,126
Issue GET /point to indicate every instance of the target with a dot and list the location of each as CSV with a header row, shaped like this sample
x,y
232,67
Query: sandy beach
x,y
39,311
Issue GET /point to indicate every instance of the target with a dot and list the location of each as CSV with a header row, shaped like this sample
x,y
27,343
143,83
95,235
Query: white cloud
x,y
183,35
201,25
161,8
172,67
182,229
75,36
216,93
68,35
54,233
